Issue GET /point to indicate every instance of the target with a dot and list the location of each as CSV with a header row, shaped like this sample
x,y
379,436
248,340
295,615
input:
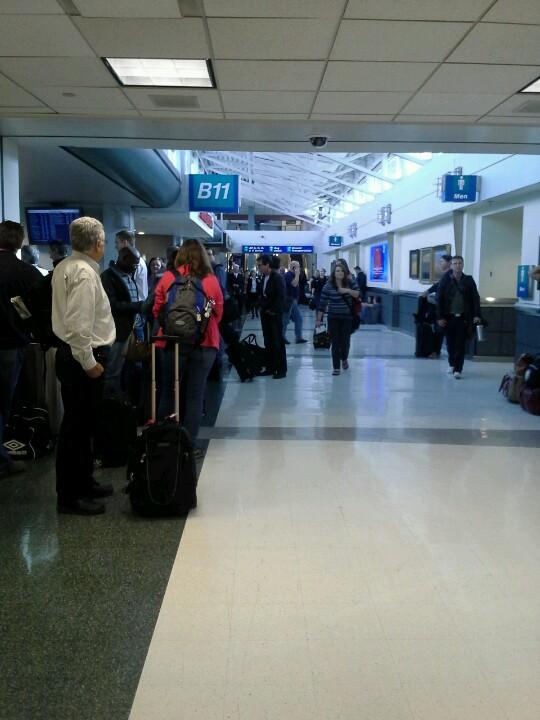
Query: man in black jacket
x,y
16,279
272,301
119,284
458,308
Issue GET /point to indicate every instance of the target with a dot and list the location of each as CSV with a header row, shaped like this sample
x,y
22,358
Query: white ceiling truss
x,y
318,188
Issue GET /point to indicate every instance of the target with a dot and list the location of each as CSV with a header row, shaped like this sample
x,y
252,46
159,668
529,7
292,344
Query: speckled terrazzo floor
x,y
79,597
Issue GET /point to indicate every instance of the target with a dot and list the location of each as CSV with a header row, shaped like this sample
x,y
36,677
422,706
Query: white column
x,y
10,204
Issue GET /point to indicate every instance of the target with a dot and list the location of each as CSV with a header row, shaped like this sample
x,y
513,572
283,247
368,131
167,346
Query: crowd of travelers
x,y
103,324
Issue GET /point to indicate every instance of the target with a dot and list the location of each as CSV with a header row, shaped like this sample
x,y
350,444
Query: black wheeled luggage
x,y
321,338
162,476
115,433
426,340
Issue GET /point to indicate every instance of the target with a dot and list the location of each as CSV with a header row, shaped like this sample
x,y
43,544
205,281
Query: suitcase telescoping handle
x,y
175,341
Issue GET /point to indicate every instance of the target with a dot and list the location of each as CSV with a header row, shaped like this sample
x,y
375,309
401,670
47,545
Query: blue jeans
x,y
194,369
296,316
11,362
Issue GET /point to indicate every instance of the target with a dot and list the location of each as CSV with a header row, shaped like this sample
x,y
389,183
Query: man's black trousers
x,y
456,341
274,343
82,397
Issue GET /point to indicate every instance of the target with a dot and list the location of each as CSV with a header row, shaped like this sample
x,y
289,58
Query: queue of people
x,y
96,315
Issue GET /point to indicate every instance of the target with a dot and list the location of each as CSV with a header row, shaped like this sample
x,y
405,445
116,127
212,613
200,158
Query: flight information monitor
x,y
46,225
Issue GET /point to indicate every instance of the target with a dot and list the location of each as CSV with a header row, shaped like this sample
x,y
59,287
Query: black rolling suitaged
x,y
162,476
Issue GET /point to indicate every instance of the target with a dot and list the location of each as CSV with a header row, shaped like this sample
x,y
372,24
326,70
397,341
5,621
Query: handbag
x,y
138,350
355,307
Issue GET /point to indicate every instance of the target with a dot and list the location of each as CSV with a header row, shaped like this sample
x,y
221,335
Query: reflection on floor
x,y
366,546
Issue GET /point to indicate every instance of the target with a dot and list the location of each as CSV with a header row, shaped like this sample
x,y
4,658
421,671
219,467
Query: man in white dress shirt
x,y
82,319
126,238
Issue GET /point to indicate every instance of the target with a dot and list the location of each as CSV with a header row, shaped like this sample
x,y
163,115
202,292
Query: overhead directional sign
x,y
459,188
214,193
335,240
296,249
524,283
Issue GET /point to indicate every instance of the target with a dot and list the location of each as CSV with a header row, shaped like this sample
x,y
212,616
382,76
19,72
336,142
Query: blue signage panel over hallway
x,y
214,193
459,188
296,249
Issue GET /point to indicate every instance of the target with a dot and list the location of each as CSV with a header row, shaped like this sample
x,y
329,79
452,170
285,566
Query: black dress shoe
x,y
301,340
84,506
286,342
279,376
98,490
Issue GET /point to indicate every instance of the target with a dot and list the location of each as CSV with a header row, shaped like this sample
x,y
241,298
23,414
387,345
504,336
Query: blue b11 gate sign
x,y
214,193
459,188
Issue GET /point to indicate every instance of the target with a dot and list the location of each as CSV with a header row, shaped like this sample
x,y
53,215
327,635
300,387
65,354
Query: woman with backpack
x,y
338,298
196,356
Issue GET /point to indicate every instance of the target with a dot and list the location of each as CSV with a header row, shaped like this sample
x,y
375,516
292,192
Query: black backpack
x,y
38,300
187,311
532,373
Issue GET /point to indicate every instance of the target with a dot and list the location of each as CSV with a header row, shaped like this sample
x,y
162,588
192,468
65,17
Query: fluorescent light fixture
x,y
490,299
148,72
533,87
140,232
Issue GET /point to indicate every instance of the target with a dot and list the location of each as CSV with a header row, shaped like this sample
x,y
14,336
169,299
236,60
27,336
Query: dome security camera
x,y
318,141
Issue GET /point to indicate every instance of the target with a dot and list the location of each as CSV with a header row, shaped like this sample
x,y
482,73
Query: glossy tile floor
x,y
366,547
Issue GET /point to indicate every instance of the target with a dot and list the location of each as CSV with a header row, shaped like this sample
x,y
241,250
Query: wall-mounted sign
x,y
204,220
524,283
214,193
378,263
459,188
335,240
296,249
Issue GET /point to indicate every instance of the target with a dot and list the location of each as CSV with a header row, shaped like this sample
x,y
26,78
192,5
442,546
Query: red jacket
x,y
210,286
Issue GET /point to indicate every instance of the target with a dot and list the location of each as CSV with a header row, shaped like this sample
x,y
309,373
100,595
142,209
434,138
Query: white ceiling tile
x,y
38,35
145,38
393,40
512,105
360,103
491,79
208,100
268,75
511,11
503,44
271,102
30,7
452,104
99,112
266,116
442,119
11,111
12,95
461,10
381,76
271,39
275,8
85,71
84,98
354,118
128,8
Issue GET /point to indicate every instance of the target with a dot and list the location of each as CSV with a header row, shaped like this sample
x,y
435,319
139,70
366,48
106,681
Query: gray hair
x,y
85,232
30,254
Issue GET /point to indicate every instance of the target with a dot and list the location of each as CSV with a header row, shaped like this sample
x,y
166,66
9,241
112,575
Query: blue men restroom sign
x,y
214,193
459,188
335,240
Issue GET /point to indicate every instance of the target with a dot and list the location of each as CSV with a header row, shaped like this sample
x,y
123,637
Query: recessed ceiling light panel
x,y
533,87
148,72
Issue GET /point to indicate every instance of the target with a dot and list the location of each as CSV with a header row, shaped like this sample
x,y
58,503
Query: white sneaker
x,y
457,375
450,371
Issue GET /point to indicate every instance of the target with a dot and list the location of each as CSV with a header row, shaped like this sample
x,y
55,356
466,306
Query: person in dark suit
x,y
361,281
236,286
458,309
272,301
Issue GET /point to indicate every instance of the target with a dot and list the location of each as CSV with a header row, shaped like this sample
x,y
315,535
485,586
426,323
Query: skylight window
x,y
534,87
147,72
